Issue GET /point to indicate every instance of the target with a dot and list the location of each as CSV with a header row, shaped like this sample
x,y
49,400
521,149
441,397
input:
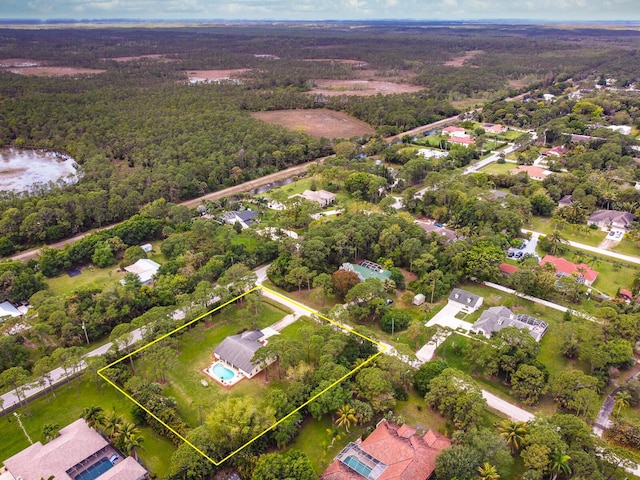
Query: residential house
x,y
495,319
238,351
322,197
556,151
245,218
534,172
494,128
432,153
389,453
584,274
625,294
145,269
7,309
448,234
623,129
458,132
606,219
147,248
464,141
549,97
507,269
78,452
565,201
470,302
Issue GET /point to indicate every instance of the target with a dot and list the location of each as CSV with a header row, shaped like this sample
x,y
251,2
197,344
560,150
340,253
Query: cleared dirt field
x,y
18,62
156,56
212,75
332,88
54,71
317,122
459,61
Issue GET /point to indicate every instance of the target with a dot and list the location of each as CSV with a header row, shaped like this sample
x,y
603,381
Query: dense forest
x,y
139,132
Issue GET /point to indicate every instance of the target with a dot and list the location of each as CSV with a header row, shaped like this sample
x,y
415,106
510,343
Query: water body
x,y
271,186
22,170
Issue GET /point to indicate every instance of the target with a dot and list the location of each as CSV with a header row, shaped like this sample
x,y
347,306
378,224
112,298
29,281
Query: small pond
x,y
22,169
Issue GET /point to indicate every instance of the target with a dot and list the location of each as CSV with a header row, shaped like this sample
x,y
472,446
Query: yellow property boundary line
x,y
381,350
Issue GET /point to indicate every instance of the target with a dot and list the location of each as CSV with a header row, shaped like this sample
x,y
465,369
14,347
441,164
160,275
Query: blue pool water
x,y
95,470
222,372
357,465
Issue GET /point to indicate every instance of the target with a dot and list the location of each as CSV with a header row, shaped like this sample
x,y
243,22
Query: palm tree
x,y
488,472
129,440
556,243
346,417
622,400
94,415
112,423
559,464
513,432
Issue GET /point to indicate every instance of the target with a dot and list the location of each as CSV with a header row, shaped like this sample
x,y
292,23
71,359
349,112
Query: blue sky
x,y
561,10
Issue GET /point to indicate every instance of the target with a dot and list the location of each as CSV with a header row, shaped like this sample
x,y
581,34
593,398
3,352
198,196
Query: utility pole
x,y
85,332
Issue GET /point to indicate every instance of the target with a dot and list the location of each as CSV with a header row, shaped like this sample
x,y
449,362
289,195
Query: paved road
x,y
510,410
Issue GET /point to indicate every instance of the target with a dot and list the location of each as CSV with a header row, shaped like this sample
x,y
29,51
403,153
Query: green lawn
x,y
67,407
496,168
91,277
570,232
196,353
626,246
292,188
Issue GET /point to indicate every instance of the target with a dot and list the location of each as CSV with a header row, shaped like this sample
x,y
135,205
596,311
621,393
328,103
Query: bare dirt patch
x,y
55,71
154,56
215,75
332,88
459,61
317,122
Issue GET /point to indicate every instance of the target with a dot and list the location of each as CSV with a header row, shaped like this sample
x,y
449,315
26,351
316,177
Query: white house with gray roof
x,y
495,319
470,302
606,219
237,351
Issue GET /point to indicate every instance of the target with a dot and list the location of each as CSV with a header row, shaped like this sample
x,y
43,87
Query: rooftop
x,y
238,350
565,267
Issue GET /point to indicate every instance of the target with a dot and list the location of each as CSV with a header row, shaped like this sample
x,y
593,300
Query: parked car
x,y
518,255
388,301
439,225
510,253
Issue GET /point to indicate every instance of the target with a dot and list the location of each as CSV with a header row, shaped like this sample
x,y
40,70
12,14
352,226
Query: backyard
x,y
574,233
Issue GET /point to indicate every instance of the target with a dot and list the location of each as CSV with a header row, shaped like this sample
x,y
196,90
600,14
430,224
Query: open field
x,y
460,61
498,168
573,233
213,75
360,87
317,122
153,56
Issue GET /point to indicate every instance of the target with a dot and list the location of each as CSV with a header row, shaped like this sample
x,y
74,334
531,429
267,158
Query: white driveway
x,y
447,318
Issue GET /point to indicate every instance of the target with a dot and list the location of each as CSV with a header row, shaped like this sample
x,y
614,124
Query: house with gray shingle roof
x,y
610,218
238,351
470,301
495,319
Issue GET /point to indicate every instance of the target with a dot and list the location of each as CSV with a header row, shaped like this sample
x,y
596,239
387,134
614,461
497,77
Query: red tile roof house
x,y
557,151
565,268
455,131
389,453
507,269
626,294
466,141
495,128
536,173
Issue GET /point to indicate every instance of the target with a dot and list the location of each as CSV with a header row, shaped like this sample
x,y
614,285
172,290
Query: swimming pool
x,y
222,372
357,465
95,470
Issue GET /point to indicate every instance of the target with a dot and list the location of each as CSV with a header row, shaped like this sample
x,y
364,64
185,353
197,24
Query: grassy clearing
x,y
626,246
570,232
292,188
196,354
67,407
495,168
91,277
